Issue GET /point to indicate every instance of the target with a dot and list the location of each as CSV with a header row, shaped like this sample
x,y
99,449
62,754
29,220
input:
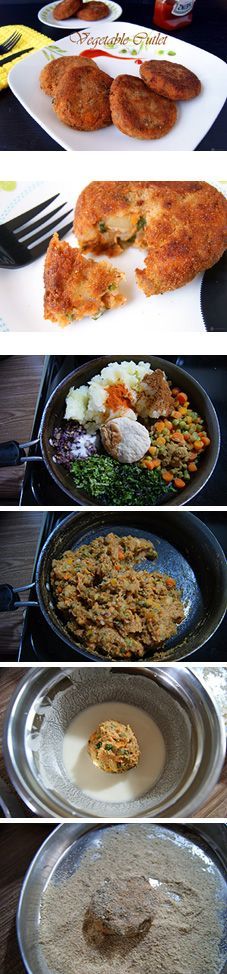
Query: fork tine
x,y
50,226
11,41
29,230
20,221
41,248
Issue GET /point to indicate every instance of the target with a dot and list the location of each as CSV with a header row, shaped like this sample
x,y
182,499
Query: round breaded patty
x,y
170,80
138,112
93,11
55,70
66,9
82,98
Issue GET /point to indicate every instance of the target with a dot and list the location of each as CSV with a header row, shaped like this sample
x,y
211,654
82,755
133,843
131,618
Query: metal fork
x,y
24,239
10,42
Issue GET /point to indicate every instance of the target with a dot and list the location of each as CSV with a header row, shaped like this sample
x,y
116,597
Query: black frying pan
x,y
12,453
187,550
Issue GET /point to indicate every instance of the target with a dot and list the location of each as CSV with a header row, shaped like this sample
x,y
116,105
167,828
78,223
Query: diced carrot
x,y
117,567
160,441
152,464
205,440
179,483
160,426
187,436
189,420
152,450
176,414
183,410
182,398
170,582
197,445
192,456
192,467
177,437
175,391
167,476
120,554
168,424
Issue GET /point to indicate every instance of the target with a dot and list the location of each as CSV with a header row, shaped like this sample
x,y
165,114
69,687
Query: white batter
x,y
103,786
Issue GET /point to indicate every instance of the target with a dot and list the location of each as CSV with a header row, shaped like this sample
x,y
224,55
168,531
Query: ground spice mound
x,y
185,932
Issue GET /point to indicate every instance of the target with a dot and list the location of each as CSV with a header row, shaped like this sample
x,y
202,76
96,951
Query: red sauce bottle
x,y
173,14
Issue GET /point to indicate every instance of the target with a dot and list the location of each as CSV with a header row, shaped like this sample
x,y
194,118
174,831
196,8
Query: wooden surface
x,y
19,532
215,807
9,680
20,377
18,845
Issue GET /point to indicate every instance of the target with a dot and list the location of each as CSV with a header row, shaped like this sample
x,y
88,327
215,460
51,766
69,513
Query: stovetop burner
x,y
38,487
39,644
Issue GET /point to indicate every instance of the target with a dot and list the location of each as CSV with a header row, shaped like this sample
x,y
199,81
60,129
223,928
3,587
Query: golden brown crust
x,y
185,229
172,80
54,71
82,98
76,287
66,9
93,11
138,112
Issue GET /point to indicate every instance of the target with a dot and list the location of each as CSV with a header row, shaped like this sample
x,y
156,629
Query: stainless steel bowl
x,y
206,740
59,854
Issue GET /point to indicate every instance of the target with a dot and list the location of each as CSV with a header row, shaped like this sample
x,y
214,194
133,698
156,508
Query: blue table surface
x,y
208,31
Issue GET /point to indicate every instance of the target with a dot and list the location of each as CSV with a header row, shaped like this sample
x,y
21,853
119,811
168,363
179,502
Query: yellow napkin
x,y
29,38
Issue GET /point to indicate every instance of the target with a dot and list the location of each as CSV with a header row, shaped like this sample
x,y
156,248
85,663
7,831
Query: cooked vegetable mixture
x,y
113,747
110,607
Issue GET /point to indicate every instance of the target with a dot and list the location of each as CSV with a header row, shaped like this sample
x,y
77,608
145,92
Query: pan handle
x,y
10,598
13,453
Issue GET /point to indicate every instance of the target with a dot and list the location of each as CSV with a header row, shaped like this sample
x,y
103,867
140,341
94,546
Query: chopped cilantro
x,y
141,223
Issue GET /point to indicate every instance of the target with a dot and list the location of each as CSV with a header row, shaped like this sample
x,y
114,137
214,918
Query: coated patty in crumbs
x,y
66,9
138,112
172,80
82,98
93,11
55,70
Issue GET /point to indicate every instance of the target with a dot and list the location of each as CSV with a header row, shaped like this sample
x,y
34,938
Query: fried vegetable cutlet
x,y
76,287
81,98
172,80
93,11
66,9
181,225
55,70
138,112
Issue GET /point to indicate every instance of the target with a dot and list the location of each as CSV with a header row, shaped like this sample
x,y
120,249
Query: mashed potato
x,y
89,404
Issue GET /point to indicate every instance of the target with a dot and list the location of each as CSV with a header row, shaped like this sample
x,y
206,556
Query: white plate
x,y
123,51
22,292
46,16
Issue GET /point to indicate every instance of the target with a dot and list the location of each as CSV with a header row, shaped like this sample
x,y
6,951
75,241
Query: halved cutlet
x,y
181,225
75,287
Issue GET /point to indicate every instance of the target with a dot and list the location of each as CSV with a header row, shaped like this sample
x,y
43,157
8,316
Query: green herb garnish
x,y
98,745
112,287
111,482
141,223
102,227
108,747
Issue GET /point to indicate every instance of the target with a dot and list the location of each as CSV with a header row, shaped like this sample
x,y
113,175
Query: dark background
x,y
208,31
